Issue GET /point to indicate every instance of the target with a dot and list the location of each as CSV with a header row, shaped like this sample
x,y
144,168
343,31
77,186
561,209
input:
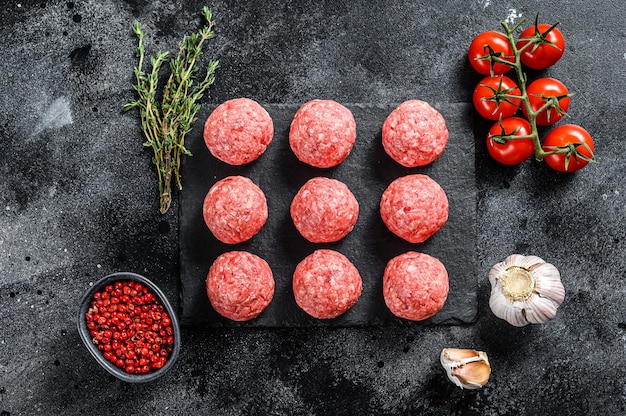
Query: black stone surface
x,y
367,172
78,201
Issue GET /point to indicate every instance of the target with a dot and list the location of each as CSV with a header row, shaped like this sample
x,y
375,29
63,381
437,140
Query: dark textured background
x,y
77,202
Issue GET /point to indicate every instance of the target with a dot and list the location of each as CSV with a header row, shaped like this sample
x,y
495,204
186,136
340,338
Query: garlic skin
x,y
468,369
525,289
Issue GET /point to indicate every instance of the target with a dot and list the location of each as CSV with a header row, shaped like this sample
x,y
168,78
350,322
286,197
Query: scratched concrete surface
x,y
78,201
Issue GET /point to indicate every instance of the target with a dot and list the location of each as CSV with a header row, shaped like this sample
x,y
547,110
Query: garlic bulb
x,y
468,369
525,289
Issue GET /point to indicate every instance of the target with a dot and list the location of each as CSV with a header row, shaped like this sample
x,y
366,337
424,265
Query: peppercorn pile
x,y
128,323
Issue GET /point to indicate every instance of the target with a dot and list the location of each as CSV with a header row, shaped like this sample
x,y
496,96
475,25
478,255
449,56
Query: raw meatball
x,y
324,210
235,209
414,207
240,285
322,133
415,286
326,284
238,131
414,134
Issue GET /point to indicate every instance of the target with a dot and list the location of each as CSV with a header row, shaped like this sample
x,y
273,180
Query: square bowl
x,y
85,335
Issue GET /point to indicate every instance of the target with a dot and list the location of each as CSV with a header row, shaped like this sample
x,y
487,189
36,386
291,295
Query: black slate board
x,y
367,171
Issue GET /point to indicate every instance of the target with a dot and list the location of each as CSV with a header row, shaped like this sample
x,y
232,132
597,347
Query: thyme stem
x,y
166,122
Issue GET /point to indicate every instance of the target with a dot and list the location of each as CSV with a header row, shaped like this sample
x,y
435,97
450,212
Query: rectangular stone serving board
x,y
367,171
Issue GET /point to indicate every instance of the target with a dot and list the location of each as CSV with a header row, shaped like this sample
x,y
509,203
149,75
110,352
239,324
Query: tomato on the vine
x,y
496,97
485,47
510,151
547,46
542,91
571,148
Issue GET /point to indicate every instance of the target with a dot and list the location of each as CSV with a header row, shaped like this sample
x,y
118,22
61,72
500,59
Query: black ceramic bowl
x,y
98,355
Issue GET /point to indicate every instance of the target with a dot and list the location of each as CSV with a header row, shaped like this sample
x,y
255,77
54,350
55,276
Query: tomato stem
x,y
550,102
503,138
521,78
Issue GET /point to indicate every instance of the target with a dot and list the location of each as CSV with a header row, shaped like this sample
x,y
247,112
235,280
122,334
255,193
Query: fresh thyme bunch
x,y
167,117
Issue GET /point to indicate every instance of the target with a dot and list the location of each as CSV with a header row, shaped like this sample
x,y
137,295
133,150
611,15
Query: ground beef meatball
x,y
238,131
324,210
415,286
414,134
414,207
326,284
240,285
235,209
322,133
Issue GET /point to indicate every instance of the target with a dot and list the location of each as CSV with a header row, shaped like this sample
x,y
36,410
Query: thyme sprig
x,y
166,119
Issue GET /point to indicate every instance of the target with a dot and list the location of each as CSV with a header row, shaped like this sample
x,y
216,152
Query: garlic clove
x,y
457,354
466,368
504,309
525,289
512,313
495,272
540,310
473,375
528,262
550,285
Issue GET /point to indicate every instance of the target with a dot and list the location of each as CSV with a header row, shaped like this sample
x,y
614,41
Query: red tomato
x,y
572,148
495,97
547,46
540,92
487,45
511,151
